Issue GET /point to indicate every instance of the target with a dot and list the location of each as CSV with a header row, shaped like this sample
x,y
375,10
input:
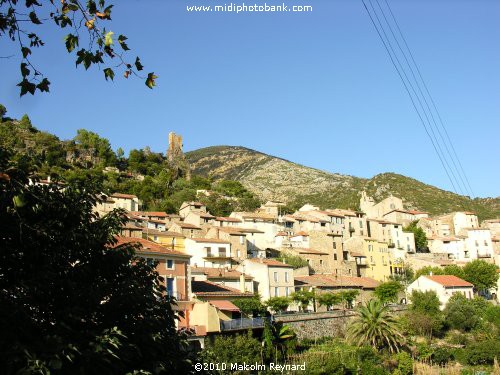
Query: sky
x,y
315,88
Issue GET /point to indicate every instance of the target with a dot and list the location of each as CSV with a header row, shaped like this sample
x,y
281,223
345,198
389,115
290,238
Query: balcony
x,y
361,261
242,324
482,256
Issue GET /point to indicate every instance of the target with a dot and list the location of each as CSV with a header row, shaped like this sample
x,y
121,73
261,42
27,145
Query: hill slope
x,y
274,178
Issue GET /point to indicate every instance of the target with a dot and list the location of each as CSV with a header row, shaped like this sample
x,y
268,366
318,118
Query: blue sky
x,y
315,88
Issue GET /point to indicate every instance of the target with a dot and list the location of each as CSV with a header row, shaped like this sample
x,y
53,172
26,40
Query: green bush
x,y
483,353
405,363
441,356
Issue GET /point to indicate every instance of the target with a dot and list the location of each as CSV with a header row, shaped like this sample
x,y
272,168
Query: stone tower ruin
x,y
176,158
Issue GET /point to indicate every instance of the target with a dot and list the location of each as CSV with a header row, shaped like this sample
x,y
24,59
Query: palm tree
x,y
375,325
276,335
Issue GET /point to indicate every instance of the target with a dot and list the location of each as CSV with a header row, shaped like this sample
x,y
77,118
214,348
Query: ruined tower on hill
x,y
176,158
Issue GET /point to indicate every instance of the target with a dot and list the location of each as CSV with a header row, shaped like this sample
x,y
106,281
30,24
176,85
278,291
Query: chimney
x,y
242,283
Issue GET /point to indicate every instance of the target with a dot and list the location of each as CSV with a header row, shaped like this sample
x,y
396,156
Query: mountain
x,y
271,177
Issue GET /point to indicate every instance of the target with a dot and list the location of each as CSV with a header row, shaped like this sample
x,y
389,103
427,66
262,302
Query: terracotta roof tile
x,y
449,280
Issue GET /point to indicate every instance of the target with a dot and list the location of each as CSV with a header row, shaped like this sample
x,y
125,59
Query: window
x,y
334,245
320,262
222,252
170,286
208,251
287,292
276,276
485,243
155,238
238,253
170,264
276,292
334,256
323,224
361,223
242,240
286,276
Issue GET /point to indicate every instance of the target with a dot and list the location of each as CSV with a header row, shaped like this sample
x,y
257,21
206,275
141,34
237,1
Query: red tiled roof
x,y
301,233
162,233
270,262
125,196
449,280
228,219
209,289
224,305
334,281
281,234
187,226
302,250
149,246
210,240
220,273
150,213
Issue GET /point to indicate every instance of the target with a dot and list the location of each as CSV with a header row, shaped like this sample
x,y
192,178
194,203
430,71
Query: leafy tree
x,y
455,270
428,270
3,111
251,306
92,141
375,325
329,299
425,302
483,353
293,260
278,304
303,298
242,348
388,291
348,297
481,274
420,237
87,22
460,313
71,301
424,316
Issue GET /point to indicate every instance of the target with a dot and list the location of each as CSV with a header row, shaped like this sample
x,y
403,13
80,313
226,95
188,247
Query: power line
x,y
432,102
420,102
408,91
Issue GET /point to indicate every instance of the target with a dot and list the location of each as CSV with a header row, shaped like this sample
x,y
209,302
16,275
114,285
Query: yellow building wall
x,y
167,241
204,314
378,259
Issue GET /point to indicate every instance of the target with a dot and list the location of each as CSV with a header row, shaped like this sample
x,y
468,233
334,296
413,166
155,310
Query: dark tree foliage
x,y
86,22
70,301
420,237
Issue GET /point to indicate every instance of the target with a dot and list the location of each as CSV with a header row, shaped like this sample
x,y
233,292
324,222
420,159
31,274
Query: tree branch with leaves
x,y
87,25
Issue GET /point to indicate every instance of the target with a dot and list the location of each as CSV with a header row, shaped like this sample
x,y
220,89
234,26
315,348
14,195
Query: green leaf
x,y
34,18
108,73
108,38
43,86
24,70
71,42
25,51
121,40
150,81
138,64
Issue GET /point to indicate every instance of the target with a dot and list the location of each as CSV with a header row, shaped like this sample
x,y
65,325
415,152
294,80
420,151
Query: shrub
x,y
483,353
441,356
405,363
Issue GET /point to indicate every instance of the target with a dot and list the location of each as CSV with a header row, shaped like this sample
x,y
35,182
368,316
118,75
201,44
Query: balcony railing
x,y
243,323
484,255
